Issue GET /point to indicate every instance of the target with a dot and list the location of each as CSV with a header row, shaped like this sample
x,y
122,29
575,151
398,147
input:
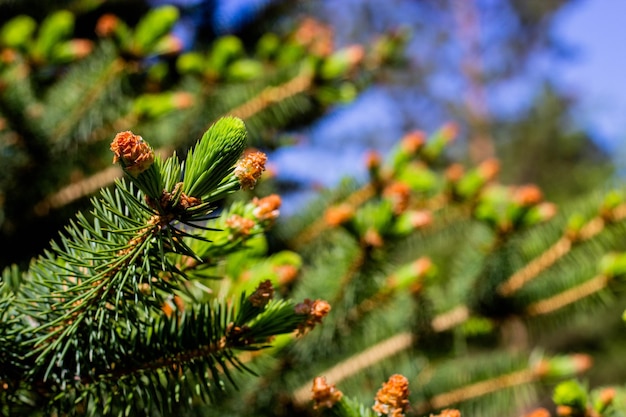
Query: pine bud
x,y
267,208
249,169
338,215
315,312
132,152
239,226
412,142
392,398
324,394
262,295
399,194
106,25
527,195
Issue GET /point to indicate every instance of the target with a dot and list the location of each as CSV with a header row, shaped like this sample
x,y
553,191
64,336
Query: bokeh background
x,y
537,83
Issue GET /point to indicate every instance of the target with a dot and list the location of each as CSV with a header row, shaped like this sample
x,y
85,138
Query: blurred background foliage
x,y
334,80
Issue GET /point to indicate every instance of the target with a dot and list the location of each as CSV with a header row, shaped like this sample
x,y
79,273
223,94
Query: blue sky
x,y
597,74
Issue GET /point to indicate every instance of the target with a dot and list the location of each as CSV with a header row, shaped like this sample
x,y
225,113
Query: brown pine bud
x,y
373,238
267,208
239,226
413,142
249,169
489,169
454,172
262,295
399,194
373,160
132,152
106,25
338,215
393,398
315,312
527,195
324,394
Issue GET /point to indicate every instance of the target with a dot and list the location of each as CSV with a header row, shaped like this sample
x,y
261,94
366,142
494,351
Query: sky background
x,y
597,74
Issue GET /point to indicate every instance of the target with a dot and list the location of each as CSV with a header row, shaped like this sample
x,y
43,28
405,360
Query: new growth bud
x,y
262,295
393,398
249,169
132,152
267,208
314,311
324,394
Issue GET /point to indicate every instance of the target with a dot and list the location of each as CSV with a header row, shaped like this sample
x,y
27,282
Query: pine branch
x,y
560,248
90,310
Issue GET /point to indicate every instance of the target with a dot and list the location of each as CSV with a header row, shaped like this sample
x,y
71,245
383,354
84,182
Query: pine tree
x,y
175,293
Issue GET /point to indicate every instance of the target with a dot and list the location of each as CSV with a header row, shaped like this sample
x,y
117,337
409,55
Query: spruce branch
x,y
91,311
561,247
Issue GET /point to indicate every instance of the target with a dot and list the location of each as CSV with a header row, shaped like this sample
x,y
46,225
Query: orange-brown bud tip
x,y
421,218
564,410
132,152
547,210
489,169
249,169
455,172
81,47
393,398
239,226
373,238
582,362
314,311
324,394
607,395
527,195
337,215
450,131
399,194
372,160
183,100
422,266
262,295
413,141
355,53
267,208
106,25
286,273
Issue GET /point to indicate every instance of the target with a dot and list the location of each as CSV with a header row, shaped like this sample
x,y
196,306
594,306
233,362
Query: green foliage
x,y
571,394
170,290
62,96
86,329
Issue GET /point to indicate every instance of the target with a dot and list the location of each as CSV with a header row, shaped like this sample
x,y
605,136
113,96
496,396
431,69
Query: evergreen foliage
x,y
61,97
175,293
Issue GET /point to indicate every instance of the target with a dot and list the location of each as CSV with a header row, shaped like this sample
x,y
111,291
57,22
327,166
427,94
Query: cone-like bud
x,y
267,208
393,398
262,295
315,312
249,169
323,394
132,153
